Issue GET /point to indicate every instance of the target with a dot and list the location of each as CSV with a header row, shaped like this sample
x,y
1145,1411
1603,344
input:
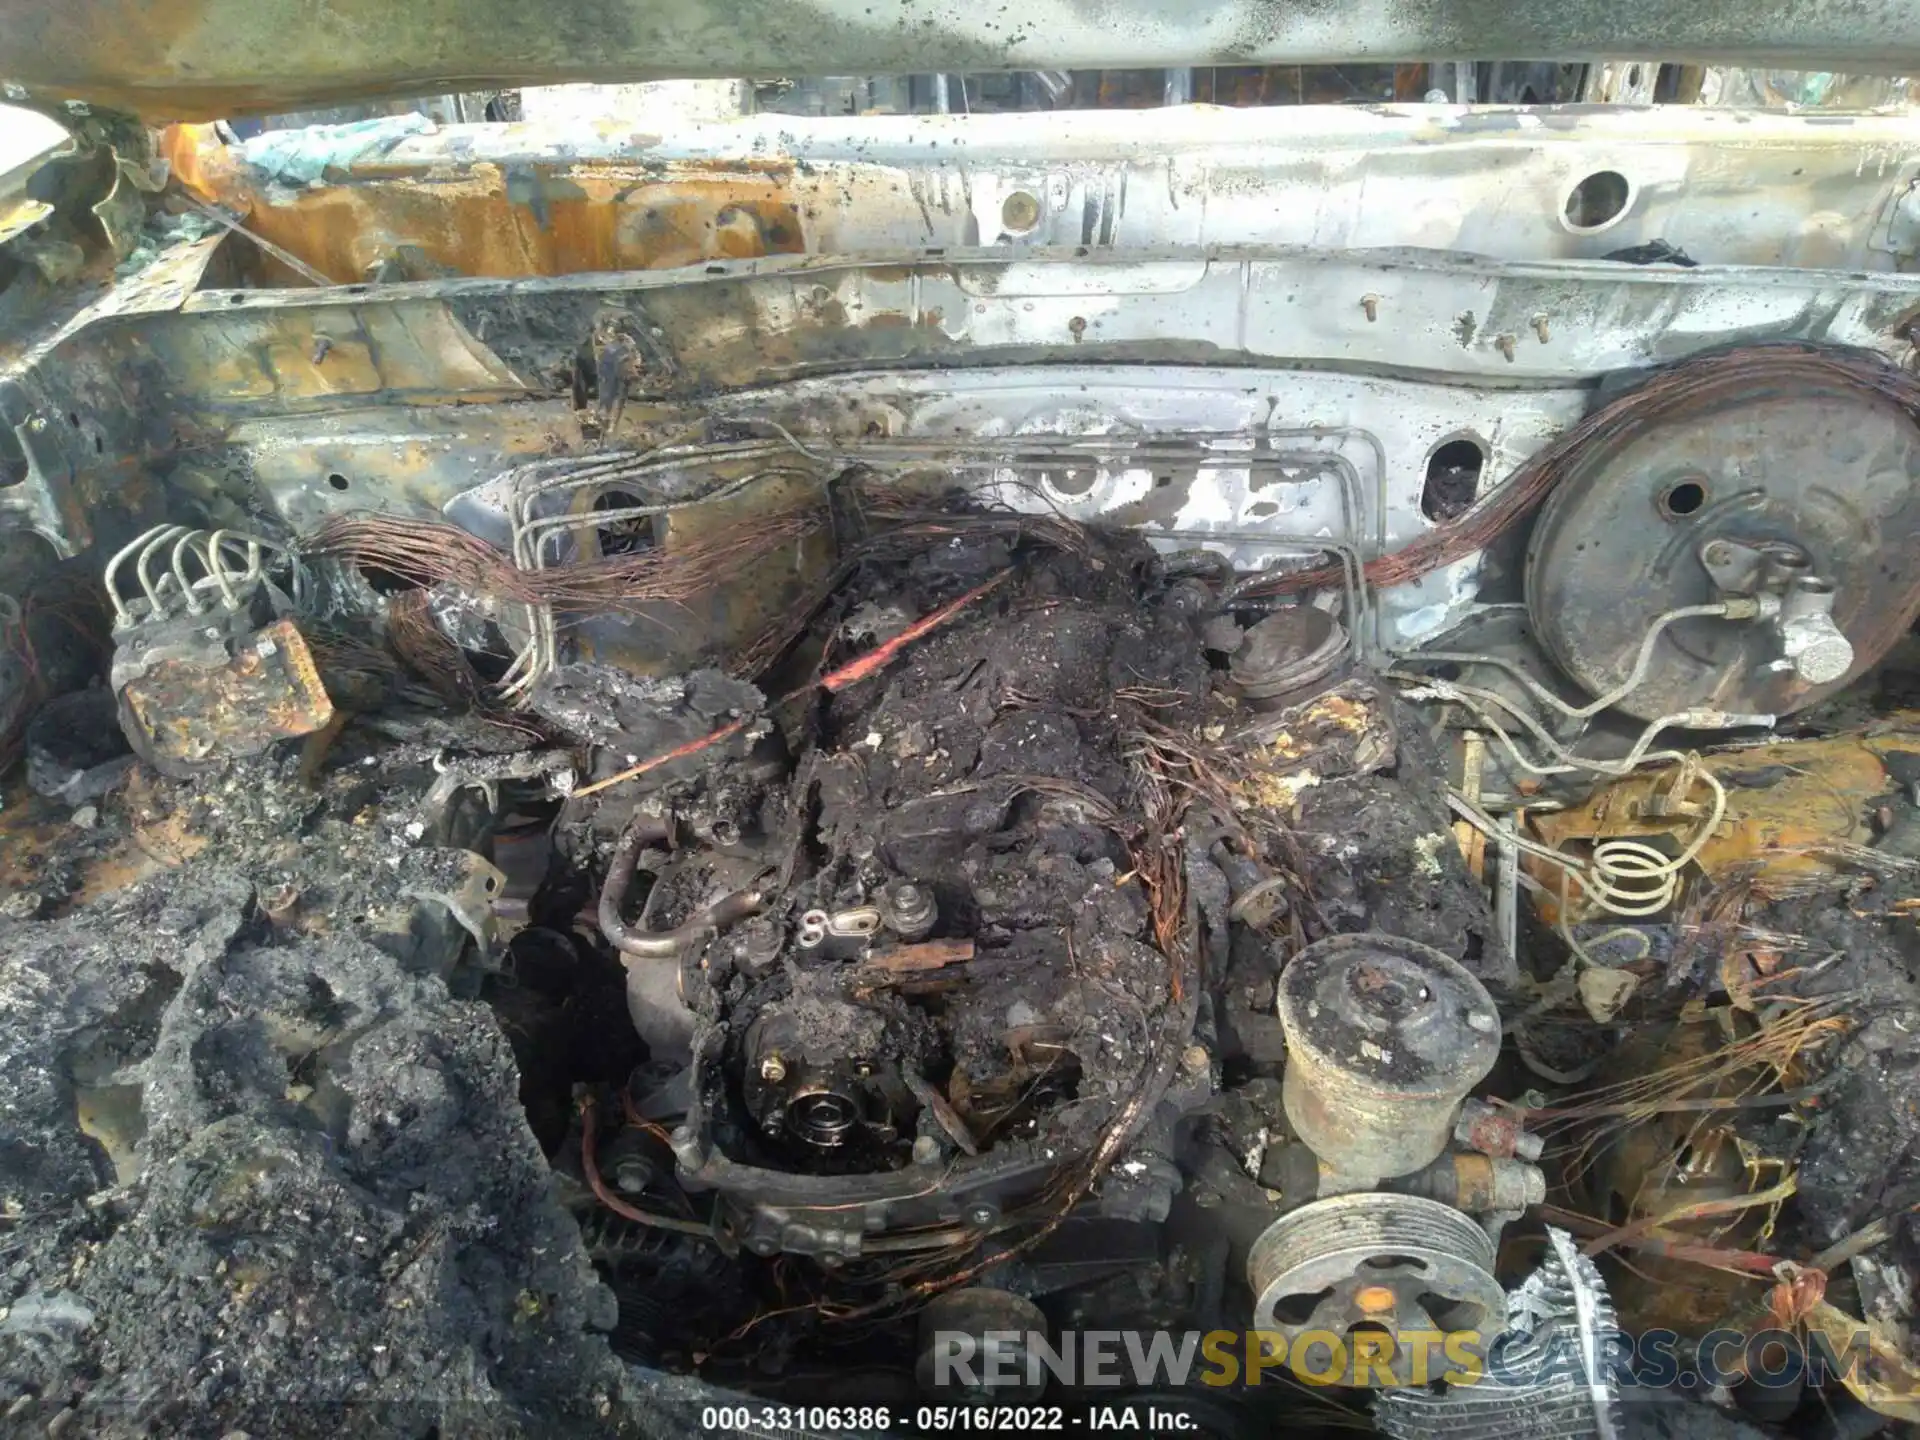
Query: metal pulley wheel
x,y
1372,1262
1777,448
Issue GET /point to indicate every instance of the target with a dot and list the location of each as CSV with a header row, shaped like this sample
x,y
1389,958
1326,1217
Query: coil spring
x,y
1630,878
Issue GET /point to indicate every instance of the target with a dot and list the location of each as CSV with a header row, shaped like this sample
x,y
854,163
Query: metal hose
x,y
652,957
649,830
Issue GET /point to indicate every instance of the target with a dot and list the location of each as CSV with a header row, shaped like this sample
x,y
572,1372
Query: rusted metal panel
x,y
204,58
1792,810
443,214
190,715
521,199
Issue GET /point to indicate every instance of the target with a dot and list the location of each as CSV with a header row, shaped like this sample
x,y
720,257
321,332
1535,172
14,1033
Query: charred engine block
x,y
825,1075
893,995
896,993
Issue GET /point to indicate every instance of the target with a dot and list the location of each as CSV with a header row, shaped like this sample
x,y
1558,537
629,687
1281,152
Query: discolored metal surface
x,y
1384,1038
190,715
1769,456
206,58
553,197
1372,1262
1287,652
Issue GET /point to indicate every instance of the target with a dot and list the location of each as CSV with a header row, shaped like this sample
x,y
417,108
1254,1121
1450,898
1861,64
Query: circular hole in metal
x,y
1070,482
630,535
1683,499
337,480
1453,479
1020,212
860,922
1599,200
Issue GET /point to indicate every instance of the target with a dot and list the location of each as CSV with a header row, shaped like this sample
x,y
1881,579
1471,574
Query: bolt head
x,y
1375,1300
633,1176
982,1215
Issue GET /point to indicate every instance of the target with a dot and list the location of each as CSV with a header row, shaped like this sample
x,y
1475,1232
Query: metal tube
x,y
194,607
155,539
642,831
1643,660
110,577
655,1003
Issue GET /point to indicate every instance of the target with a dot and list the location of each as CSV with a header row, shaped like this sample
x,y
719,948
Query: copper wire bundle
x,y
1750,372
428,652
426,553
421,553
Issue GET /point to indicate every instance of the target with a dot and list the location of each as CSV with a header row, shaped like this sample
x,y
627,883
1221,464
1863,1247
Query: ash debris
x,y
274,1182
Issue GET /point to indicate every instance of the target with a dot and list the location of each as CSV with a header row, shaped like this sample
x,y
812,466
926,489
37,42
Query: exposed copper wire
x,y
429,652
861,668
1714,1257
910,528
1752,371
426,553
589,1167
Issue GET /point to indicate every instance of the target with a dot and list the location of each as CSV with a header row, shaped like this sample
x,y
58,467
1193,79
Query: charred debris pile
x,y
420,1012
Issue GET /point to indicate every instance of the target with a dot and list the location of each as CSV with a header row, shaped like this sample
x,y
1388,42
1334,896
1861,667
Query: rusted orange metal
x,y
424,221
270,691
1789,807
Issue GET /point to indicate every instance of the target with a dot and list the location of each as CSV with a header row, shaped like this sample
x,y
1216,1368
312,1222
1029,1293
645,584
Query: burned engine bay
x,y
1027,917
